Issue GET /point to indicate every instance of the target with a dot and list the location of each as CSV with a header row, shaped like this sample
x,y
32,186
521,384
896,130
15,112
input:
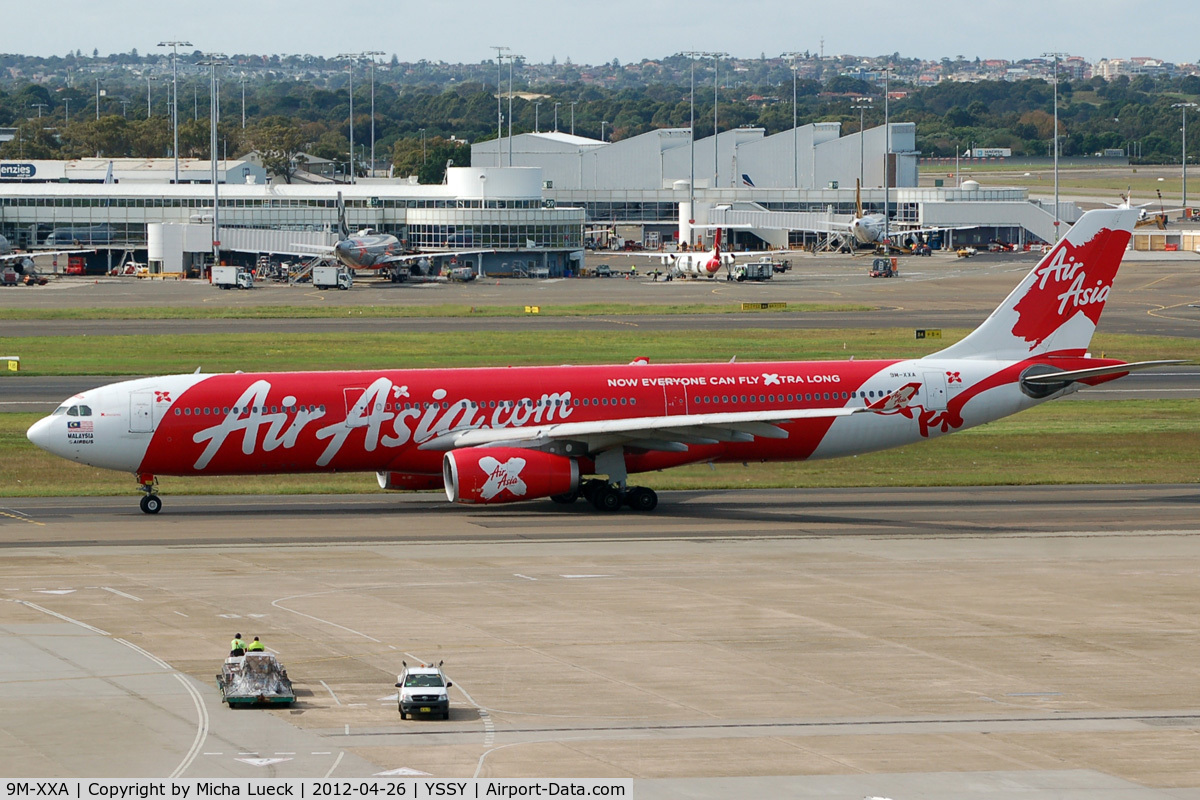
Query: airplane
x,y
705,264
499,435
19,267
378,251
871,229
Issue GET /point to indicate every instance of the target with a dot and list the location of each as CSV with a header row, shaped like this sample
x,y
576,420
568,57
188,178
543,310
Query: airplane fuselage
x,y
367,252
379,420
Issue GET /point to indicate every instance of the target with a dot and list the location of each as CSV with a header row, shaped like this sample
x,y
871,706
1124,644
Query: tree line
x,y
418,130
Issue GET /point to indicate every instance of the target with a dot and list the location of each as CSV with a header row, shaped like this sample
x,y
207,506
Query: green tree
x,y
278,142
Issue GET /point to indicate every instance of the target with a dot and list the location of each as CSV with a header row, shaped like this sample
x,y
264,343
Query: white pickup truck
x,y
423,690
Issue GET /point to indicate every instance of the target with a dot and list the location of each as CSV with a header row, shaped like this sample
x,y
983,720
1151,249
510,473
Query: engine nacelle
x,y
404,481
506,475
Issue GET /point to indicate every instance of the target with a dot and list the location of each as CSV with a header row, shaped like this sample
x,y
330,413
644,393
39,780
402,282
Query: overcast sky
x,y
601,30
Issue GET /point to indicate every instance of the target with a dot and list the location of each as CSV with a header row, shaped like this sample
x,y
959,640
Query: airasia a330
x,y
498,435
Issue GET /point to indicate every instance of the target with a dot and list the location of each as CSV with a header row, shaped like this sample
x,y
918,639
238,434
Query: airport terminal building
x,y
778,185
477,208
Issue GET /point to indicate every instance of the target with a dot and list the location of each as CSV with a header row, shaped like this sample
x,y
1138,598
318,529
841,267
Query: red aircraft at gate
x,y
497,435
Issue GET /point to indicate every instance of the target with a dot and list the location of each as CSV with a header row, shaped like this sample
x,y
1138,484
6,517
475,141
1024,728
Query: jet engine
x,y
404,481
506,475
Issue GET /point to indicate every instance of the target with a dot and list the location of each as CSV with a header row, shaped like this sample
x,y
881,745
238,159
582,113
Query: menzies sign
x,y
17,171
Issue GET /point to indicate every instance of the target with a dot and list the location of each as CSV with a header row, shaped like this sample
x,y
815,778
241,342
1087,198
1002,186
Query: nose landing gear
x,y
151,503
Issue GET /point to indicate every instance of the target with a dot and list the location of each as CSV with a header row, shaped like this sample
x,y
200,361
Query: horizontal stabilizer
x,y
1097,372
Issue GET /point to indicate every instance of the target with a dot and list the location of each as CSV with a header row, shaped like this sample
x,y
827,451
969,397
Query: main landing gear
x,y
151,503
604,496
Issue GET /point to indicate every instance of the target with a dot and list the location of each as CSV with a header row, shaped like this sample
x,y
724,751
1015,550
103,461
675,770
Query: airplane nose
x,y
39,432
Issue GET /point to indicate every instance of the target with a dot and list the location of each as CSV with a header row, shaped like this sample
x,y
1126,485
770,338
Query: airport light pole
x,y
512,57
370,55
692,56
1183,146
39,107
212,61
536,107
175,45
573,104
887,152
795,119
350,58
1056,56
556,105
149,109
499,48
716,57
243,101
602,124
422,146
861,105
97,98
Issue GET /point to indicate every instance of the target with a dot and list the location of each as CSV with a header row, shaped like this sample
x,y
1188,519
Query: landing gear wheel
x,y
607,498
151,504
566,498
641,499
589,488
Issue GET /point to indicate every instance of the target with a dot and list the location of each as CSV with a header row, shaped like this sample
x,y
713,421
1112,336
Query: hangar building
x,y
780,185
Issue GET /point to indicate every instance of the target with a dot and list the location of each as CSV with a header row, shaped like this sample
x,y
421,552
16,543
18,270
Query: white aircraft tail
x,y
1056,307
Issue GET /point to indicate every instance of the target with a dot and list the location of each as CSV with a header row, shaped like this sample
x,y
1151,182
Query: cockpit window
x,y
73,411
85,411
59,411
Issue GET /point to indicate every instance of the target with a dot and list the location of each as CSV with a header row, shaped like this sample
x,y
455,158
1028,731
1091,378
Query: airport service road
x,y
1040,641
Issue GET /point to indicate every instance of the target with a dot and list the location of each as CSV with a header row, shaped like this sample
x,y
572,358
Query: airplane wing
x,y
664,433
17,258
669,433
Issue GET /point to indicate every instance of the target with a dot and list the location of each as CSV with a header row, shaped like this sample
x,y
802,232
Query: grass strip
x,y
169,354
332,311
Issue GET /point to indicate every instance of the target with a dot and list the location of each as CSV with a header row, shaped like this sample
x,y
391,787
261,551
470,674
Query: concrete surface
x,y
1034,642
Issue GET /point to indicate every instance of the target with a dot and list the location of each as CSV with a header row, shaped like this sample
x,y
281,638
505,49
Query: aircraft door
x,y
140,410
935,391
675,398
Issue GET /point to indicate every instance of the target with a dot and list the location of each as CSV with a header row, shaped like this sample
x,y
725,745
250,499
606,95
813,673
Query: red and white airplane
x,y
497,435
705,264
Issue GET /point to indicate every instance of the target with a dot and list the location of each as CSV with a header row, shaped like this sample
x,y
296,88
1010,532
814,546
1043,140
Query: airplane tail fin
x,y
717,243
1056,307
343,228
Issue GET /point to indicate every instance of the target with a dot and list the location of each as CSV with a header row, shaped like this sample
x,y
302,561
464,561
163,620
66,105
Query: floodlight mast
x,y
351,58
1056,56
887,152
370,56
716,57
692,56
1183,147
499,48
212,61
175,45
795,118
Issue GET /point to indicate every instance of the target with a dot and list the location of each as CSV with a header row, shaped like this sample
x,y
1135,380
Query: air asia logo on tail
x,y
1075,280
502,476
